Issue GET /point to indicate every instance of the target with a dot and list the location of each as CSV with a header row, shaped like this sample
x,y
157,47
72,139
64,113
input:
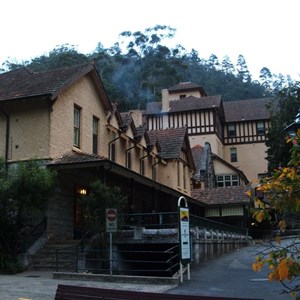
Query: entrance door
x,y
79,213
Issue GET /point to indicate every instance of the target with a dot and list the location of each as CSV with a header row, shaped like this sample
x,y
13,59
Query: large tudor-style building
x,y
236,130
190,145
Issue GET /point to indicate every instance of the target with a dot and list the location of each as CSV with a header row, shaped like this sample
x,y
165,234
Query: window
x,y
260,128
178,173
154,172
128,159
227,180
184,176
233,155
76,141
182,96
95,135
231,130
113,151
142,167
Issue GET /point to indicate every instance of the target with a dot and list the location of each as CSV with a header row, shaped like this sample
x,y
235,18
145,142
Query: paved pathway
x,y
232,276
228,276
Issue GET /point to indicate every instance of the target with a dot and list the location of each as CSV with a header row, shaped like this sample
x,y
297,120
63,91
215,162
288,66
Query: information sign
x,y
185,245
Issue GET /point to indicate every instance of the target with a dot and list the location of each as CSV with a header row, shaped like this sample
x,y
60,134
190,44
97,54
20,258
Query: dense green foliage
x,y
97,201
282,197
24,190
139,65
288,106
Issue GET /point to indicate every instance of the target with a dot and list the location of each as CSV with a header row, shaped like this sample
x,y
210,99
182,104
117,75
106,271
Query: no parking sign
x,y
111,220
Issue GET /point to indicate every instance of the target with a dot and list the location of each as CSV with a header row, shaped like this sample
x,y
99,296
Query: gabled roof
x,y
142,132
127,122
170,141
238,171
186,104
222,195
186,86
244,110
23,83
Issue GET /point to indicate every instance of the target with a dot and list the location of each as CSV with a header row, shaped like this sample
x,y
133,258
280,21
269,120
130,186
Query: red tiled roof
x,y
126,119
75,157
22,82
244,110
185,104
170,141
194,103
222,195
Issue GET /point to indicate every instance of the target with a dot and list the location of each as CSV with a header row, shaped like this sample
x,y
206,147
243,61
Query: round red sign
x,y
111,215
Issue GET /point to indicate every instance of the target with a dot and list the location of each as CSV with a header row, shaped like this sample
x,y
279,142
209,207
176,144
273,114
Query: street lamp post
x,y
292,129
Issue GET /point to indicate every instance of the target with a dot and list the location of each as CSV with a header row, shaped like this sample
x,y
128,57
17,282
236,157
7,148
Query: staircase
x,y
45,258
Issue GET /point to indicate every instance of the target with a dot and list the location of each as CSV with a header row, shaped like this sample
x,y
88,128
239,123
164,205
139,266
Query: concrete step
x,y
45,259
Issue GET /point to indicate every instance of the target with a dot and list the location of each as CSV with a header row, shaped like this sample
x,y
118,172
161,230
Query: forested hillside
x,y
139,65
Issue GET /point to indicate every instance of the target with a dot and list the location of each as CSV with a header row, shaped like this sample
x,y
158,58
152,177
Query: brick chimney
x,y
165,100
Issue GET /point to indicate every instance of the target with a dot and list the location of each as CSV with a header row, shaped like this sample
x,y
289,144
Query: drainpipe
x,y
6,137
126,151
143,157
154,166
110,144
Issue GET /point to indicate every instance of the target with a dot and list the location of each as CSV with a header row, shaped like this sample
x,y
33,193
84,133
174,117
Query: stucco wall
x,y
176,96
250,159
215,143
84,95
28,130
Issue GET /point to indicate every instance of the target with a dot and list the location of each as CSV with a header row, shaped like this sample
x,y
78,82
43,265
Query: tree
x,y
242,69
213,62
282,195
227,66
288,105
140,64
266,78
95,204
24,190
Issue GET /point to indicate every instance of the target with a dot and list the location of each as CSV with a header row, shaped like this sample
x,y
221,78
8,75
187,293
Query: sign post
x,y
111,226
184,237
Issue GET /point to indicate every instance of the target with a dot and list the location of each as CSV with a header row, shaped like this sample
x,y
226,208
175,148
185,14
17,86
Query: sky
x,y
265,32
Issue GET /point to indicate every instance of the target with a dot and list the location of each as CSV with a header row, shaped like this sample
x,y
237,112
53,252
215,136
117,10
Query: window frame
x,y
128,160
233,155
260,130
231,130
77,126
178,174
225,180
95,134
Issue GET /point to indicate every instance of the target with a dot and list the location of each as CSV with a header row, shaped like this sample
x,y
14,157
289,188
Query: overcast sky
x,y
265,32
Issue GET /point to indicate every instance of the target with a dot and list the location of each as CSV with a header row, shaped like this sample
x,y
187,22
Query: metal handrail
x,y
162,220
87,263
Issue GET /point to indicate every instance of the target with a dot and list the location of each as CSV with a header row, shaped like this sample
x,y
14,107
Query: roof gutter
x,y
6,137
